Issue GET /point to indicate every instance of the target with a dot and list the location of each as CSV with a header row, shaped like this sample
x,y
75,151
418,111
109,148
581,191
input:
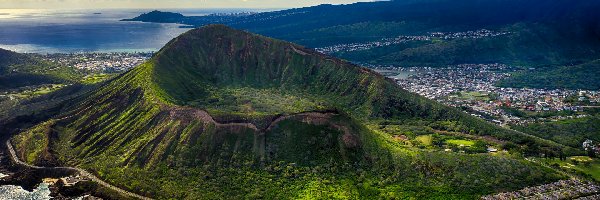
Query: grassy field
x,y
96,78
426,140
252,101
34,91
579,165
474,96
467,143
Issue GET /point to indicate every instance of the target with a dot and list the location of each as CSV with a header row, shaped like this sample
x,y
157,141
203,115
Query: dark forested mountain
x,y
421,16
223,113
535,33
581,76
18,70
9,58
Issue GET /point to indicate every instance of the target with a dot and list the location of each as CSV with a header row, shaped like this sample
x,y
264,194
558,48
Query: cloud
x,y
96,4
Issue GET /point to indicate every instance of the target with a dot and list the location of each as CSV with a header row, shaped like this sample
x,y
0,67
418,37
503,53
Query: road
x,y
82,172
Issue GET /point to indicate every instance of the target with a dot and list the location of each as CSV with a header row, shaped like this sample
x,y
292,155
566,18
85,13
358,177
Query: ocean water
x,y
73,31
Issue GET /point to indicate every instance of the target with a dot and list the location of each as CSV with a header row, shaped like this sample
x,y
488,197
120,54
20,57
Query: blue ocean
x,y
75,31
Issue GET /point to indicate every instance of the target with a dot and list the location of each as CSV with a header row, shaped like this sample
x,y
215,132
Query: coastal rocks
x,y
12,192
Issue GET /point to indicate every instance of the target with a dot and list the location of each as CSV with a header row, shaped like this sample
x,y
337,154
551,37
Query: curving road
x,y
82,172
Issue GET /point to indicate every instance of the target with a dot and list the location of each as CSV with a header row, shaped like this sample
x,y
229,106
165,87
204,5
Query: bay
x,y
75,31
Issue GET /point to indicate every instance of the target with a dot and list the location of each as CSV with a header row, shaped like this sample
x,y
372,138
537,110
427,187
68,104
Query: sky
x,y
98,4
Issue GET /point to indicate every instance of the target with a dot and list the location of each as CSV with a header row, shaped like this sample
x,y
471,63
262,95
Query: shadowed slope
x,y
19,70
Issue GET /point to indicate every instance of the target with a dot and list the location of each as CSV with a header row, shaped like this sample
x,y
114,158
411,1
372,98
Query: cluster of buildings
x,y
370,45
592,97
437,83
563,189
473,86
403,38
481,33
267,16
235,14
99,62
65,181
589,146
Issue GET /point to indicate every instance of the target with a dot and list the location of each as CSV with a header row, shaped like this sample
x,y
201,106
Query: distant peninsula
x,y
189,21
158,17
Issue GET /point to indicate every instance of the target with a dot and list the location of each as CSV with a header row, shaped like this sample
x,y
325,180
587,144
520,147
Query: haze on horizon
x,y
105,4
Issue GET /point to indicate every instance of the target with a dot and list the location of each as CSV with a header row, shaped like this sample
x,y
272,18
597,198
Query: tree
x,y
575,162
591,152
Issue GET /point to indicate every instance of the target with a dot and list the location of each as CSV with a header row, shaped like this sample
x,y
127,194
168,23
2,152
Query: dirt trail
x,y
82,172
309,117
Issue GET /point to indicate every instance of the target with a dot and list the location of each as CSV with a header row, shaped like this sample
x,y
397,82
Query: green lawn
x,y
467,143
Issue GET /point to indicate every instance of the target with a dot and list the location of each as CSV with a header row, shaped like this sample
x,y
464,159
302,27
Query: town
x,y
563,189
95,66
403,38
472,88
98,62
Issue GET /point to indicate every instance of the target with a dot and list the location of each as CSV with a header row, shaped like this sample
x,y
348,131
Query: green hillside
x,y
525,45
19,70
571,132
225,114
579,76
